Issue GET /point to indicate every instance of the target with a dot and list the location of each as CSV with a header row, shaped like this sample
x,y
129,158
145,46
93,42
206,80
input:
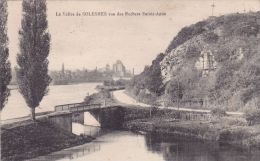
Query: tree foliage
x,y
185,34
175,90
150,78
32,73
5,69
218,112
253,116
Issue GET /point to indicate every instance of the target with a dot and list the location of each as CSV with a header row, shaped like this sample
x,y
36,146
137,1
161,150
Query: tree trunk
x,y
33,114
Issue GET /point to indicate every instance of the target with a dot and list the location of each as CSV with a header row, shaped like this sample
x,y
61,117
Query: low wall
x,y
196,116
131,113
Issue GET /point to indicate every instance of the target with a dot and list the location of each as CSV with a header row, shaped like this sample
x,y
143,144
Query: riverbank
x,y
28,139
110,88
225,130
233,129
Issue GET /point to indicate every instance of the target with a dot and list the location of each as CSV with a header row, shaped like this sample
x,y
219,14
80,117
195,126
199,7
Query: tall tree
x,y
32,73
5,69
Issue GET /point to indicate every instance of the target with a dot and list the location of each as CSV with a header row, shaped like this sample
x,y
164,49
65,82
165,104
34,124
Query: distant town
x,y
65,76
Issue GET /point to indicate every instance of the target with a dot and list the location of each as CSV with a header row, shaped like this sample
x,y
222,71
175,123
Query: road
x,y
122,97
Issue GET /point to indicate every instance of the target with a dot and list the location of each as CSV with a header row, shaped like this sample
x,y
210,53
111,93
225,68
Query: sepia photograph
x,y
130,80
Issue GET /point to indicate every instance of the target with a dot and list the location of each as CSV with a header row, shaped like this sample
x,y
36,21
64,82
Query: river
x,y
59,94
129,146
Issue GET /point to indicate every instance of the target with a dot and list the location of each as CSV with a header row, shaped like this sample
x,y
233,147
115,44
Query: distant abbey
x,y
118,71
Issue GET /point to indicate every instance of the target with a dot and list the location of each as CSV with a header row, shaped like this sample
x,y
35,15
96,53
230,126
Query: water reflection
x,y
128,146
89,130
184,149
91,126
71,154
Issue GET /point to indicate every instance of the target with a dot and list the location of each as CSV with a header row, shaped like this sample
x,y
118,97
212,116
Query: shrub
x,y
154,109
100,97
88,99
253,116
211,37
218,112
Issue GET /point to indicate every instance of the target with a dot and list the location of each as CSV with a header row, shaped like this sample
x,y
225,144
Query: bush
x,y
99,98
211,37
150,78
218,112
154,109
253,117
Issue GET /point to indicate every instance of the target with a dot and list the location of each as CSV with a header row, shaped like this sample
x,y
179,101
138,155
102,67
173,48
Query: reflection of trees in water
x,y
182,149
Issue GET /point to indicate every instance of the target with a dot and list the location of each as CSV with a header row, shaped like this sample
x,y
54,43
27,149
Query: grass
x,y
31,139
229,130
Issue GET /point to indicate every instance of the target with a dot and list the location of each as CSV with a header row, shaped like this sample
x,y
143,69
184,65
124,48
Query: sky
x,y
94,41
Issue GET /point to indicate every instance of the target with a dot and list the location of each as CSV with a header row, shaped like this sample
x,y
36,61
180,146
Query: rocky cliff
x,y
205,40
216,62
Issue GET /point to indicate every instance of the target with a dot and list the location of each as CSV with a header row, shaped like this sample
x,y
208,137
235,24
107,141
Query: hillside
x,y
213,63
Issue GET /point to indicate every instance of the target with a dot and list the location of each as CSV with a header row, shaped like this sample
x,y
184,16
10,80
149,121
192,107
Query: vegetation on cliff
x,y
214,63
149,84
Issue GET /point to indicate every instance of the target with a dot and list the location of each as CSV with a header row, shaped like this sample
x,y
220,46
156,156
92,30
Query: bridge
x,y
77,107
114,116
64,115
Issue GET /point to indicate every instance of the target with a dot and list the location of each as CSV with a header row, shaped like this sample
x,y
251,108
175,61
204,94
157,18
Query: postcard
x,y
130,80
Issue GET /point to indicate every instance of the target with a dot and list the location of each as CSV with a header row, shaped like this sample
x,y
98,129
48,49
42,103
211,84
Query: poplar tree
x,y
32,73
5,69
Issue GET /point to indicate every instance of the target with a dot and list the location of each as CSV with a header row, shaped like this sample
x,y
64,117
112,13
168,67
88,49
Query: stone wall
x,y
61,120
196,116
139,113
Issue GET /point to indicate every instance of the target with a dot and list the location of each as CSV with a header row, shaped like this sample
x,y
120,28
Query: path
x,y
122,97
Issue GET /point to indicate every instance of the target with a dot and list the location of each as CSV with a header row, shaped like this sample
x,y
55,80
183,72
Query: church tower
x,y
63,69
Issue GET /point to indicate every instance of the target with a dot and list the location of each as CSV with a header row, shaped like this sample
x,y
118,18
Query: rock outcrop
x,y
215,62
